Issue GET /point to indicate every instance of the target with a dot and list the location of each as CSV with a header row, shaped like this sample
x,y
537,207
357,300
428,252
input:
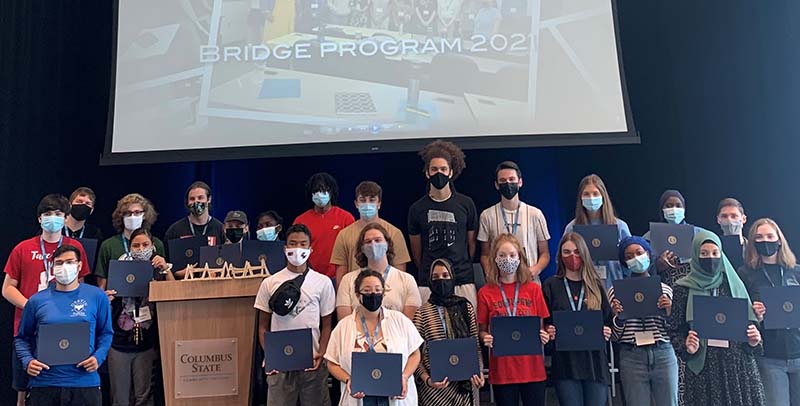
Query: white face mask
x,y
66,274
298,256
133,223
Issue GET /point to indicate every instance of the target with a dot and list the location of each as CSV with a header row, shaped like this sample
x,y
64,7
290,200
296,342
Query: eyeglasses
x,y
133,213
67,262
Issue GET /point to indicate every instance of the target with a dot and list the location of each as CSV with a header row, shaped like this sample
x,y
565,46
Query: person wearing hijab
x,y
672,207
445,317
648,366
718,373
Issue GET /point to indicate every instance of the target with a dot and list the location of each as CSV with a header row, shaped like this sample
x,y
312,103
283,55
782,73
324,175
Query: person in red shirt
x,y
29,270
325,220
510,291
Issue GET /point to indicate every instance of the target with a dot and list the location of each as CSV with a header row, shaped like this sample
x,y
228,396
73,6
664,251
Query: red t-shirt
x,y
513,369
324,228
26,266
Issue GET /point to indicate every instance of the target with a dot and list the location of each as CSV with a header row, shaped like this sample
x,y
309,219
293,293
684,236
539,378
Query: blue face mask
x,y
52,224
267,233
376,250
321,199
674,215
592,203
368,211
639,263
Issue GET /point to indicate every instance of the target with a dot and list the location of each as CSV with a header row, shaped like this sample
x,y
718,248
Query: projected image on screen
x,y
195,74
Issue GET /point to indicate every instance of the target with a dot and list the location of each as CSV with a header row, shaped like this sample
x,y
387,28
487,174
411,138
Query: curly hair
x,y
150,213
447,151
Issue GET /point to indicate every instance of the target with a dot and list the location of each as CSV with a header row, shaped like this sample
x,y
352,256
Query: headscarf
x,y
666,195
456,314
631,240
700,283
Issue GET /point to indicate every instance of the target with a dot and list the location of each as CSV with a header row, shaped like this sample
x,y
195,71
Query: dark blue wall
x,y
712,84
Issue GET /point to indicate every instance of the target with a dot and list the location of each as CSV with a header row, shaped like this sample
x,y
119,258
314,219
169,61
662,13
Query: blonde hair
x,y
591,281
150,214
523,272
786,257
606,211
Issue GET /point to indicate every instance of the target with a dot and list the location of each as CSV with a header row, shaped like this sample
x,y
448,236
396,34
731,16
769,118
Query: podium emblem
x,y
288,350
516,335
672,240
454,360
130,278
596,242
63,344
376,374
788,307
579,330
638,297
721,318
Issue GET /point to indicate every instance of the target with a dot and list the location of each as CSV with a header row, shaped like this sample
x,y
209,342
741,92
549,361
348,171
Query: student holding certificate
x,y
770,263
445,317
510,292
372,328
594,207
648,366
717,372
582,377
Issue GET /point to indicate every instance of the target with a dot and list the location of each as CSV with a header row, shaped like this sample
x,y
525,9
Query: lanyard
x,y
44,254
366,330
205,228
513,228
505,299
386,272
441,317
580,298
125,244
715,292
770,279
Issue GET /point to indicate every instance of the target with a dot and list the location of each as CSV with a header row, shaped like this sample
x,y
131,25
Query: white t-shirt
x,y
400,337
401,290
532,227
317,299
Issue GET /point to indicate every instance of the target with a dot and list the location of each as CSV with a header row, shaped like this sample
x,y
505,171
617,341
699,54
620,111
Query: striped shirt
x,y
624,331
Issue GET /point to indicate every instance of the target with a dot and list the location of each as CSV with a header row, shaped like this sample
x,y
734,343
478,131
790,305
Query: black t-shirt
x,y
443,228
214,229
88,231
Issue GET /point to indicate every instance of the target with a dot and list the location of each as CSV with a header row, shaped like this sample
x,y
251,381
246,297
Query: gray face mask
x,y
143,255
731,227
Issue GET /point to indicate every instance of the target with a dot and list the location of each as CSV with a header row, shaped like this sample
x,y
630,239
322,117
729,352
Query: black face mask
x,y
372,302
234,235
80,212
439,180
509,190
709,265
767,248
197,208
443,287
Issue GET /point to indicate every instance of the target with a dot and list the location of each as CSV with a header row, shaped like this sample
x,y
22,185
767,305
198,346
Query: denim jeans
x,y
572,392
649,372
781,380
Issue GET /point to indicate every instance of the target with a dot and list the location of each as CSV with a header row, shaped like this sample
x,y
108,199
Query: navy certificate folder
x,y
185,251
721,318
602,240
62,343
579,331
457,359
377,374
639,297
515,336
289,350
130,278
673,237
271,251
783,307
218,255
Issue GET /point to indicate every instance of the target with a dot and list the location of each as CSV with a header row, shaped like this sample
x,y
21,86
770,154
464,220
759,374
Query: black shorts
x,y
19,375
51,396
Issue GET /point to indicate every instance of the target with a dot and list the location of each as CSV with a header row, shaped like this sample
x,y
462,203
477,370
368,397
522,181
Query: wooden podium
x,y
206,309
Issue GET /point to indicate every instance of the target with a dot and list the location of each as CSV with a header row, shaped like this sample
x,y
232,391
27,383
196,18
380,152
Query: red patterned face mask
x,y
572,262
